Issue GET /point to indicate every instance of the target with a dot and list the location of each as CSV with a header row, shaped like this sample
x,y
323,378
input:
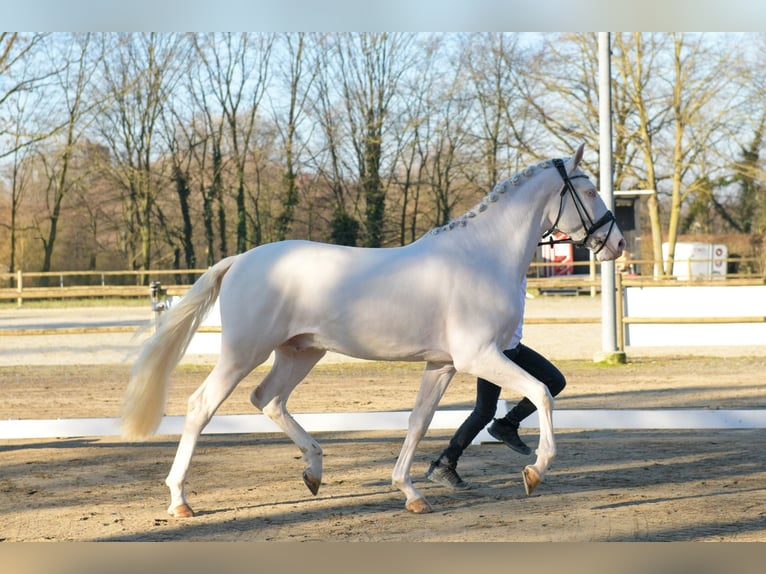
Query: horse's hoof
x,y
312,482
419,506
531,479
181,511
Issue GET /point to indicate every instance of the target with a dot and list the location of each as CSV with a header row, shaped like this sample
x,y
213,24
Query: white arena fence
x,y
592,419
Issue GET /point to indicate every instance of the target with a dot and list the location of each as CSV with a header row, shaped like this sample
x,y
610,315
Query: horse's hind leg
x,y
202,405
290,367
432,386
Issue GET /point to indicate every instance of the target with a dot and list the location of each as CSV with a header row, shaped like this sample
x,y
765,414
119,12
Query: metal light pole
x,y
609,352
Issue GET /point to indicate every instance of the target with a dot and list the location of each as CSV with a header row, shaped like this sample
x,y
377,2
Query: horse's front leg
x,y
497,368
432,386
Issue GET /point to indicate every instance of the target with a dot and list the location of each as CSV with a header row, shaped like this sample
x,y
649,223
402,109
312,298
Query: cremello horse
x,y
449,299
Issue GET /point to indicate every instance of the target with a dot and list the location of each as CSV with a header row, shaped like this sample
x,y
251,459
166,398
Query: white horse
x,y
449,299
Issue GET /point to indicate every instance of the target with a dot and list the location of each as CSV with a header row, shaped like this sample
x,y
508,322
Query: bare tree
x,y
138,77
680,88
18,75
22,103
69,89
734,197
747,212
499,128
697,116
365,139
180,144
326,158
299,72
95,204
560,84
236,71
635,64
411,136
445,145
371,65
203,130
18,176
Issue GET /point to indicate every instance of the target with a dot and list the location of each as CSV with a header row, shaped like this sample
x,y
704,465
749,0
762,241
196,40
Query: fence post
x,y
19,286
620,313
159,301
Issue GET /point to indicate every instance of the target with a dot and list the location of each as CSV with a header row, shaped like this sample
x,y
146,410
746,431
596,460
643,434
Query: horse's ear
x,y
576,158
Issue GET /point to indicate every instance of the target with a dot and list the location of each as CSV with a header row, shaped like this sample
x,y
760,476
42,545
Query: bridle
x,y
588,224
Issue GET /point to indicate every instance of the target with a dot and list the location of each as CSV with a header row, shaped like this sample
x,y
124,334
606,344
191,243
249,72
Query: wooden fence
x,y
55,285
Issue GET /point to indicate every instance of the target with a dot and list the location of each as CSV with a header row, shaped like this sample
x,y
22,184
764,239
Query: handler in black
x,y
443,469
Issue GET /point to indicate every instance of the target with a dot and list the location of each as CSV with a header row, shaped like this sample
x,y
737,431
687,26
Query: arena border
x,y
594,419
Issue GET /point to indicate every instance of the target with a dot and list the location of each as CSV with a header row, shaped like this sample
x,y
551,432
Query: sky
x,y
385,15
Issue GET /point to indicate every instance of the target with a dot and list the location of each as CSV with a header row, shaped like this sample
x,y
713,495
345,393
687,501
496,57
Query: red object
x,y
560,257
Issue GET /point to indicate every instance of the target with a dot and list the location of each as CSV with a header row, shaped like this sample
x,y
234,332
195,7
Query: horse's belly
x,y
379,349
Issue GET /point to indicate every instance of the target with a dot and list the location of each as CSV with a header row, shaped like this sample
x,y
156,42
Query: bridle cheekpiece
x,y
587,222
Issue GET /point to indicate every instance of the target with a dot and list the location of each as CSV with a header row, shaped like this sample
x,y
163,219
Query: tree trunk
x,y
241,216
183,191
373,190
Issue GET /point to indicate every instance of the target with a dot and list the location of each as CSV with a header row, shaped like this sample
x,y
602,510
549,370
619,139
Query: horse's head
x,y
579,212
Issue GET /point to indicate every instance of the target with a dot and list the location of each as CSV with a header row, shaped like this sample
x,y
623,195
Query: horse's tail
x,y
146,393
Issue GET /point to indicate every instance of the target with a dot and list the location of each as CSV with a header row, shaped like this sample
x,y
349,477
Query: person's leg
x,y
544,371
506,429
483,411
442,470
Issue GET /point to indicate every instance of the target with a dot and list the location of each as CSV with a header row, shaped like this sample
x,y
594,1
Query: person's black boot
x,y
445,474
508,433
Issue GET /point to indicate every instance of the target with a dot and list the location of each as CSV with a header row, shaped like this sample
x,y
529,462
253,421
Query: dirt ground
x,y
605,485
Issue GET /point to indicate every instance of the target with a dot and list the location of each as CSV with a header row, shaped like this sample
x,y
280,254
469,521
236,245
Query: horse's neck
x,y
507,231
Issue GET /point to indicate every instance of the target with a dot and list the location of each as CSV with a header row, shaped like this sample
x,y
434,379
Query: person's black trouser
x,y
488,393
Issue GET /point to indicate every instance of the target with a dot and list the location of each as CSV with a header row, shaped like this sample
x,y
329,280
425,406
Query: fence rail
x,y
38,285
90,284
580,283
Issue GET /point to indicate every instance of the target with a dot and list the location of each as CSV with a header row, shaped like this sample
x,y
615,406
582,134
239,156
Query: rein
x,y
588,224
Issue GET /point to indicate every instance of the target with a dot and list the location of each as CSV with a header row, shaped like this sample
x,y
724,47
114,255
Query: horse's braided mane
x,y
498,190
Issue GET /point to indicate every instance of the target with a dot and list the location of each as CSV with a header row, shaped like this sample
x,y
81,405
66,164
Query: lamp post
x,y
609,351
